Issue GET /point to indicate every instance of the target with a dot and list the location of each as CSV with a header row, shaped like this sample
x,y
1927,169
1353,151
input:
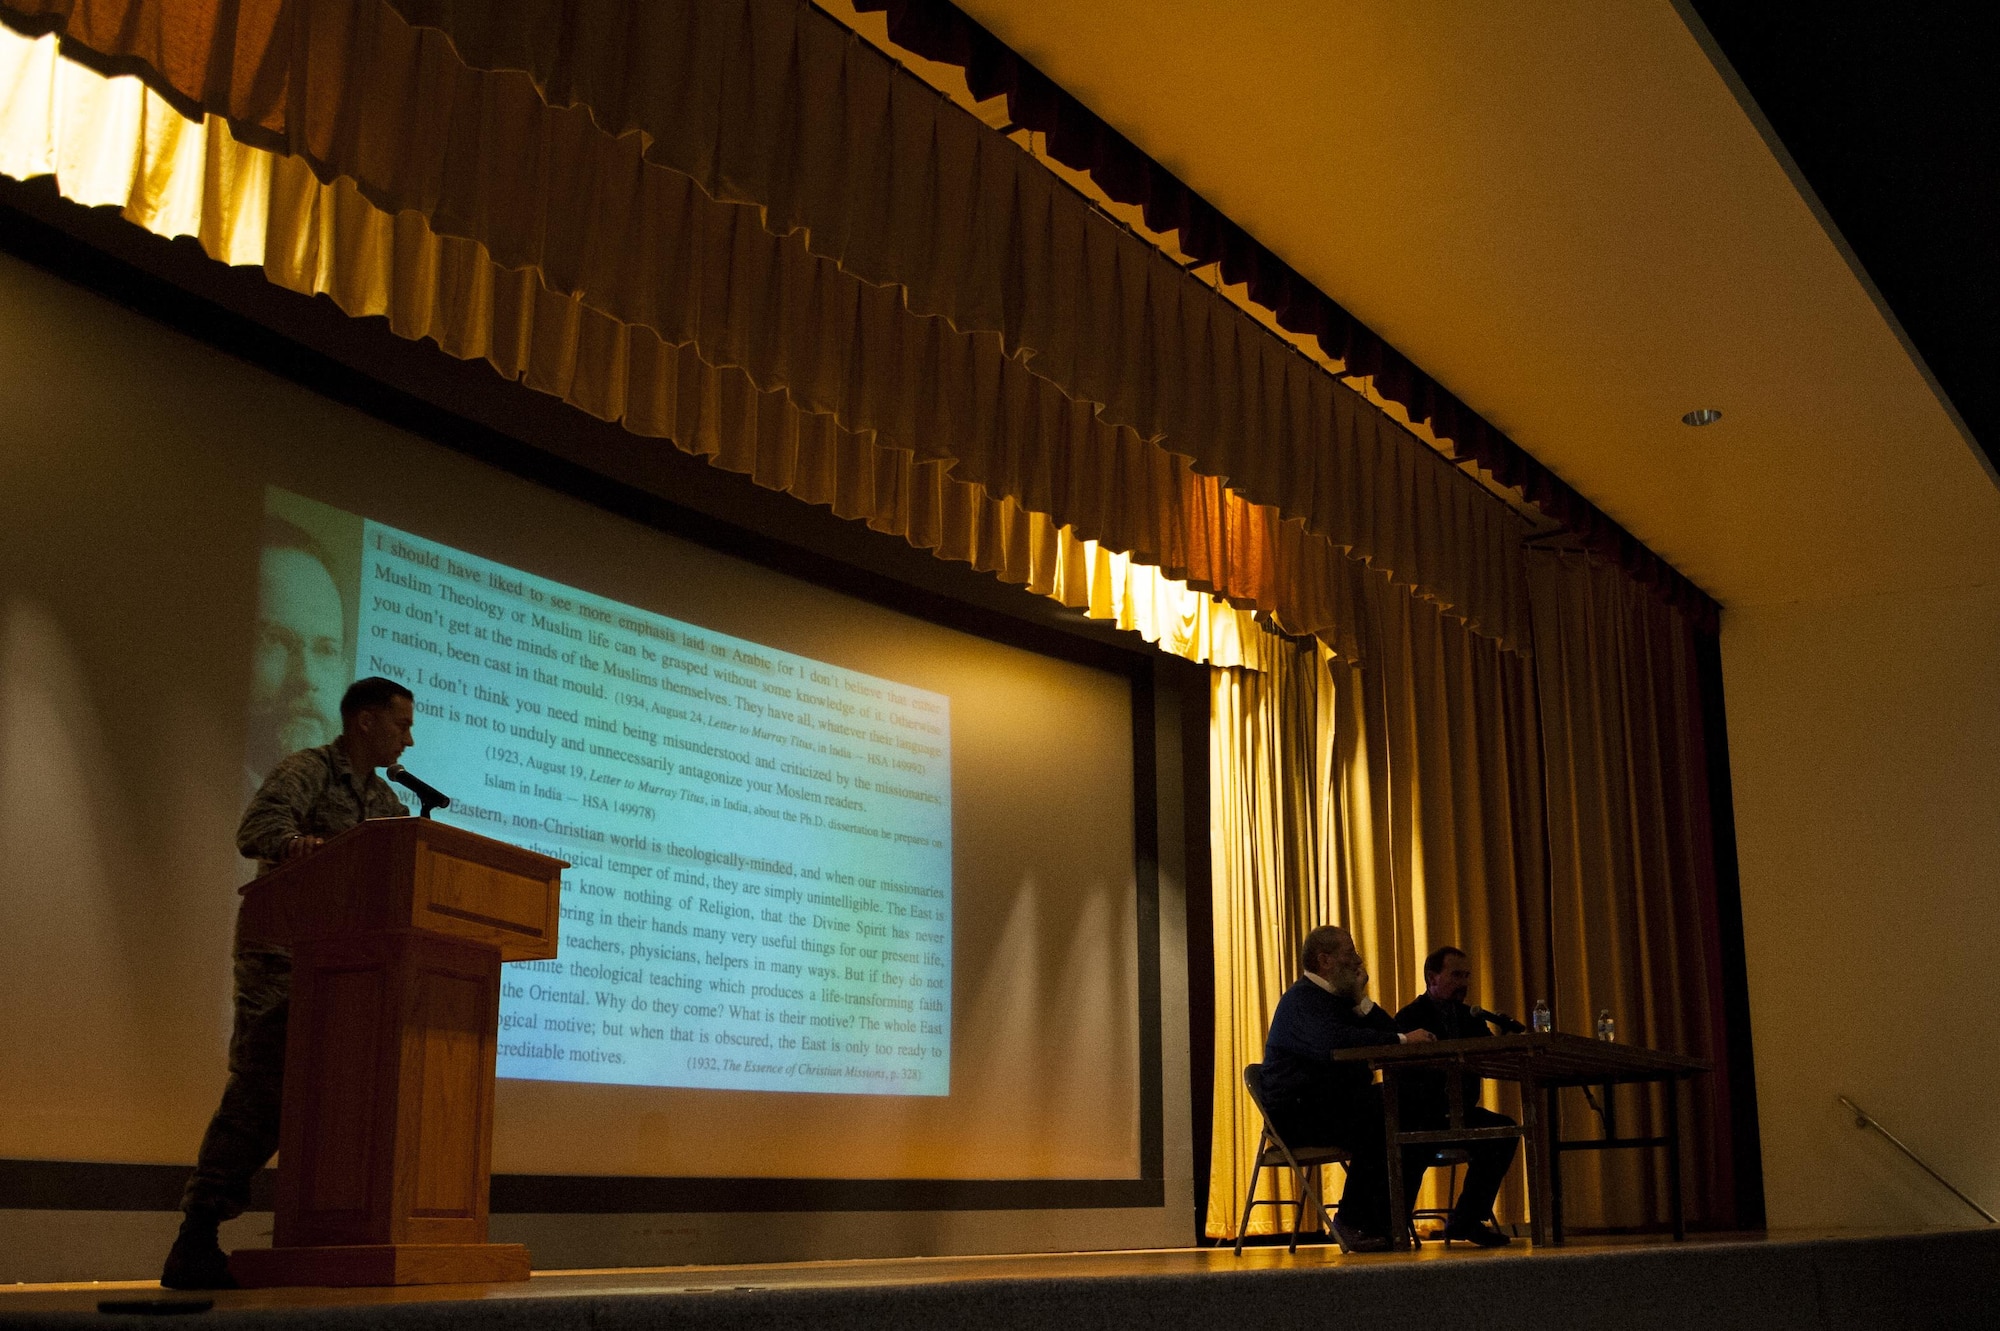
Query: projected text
x,y
761,890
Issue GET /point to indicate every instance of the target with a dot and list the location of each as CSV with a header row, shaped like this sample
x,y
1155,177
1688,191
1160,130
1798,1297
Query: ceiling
x,y
1893,125
1564,213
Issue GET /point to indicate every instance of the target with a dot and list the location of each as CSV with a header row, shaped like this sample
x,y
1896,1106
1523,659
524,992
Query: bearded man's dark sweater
x,y
1308,1026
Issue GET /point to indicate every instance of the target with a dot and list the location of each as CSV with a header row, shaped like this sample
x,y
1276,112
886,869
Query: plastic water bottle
x,y
1543,1020
1607,1029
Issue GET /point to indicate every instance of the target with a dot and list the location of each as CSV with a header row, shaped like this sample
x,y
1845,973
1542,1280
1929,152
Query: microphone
x,y
1507,1025
430,796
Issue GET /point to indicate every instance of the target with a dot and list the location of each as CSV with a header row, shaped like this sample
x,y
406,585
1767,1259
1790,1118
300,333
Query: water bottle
x,y
1607,1029
1543,1020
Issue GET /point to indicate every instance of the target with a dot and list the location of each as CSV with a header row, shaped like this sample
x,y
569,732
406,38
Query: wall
x,y
103,411
1865,750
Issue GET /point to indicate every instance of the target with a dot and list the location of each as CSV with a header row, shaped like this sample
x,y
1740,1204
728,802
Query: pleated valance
x,y
1057,361
1075,136
114,142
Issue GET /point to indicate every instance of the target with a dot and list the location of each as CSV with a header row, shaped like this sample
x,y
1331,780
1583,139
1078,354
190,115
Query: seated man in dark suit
x,y
1442,1011
1314,1101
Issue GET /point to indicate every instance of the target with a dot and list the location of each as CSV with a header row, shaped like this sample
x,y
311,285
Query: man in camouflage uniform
x,y
310,796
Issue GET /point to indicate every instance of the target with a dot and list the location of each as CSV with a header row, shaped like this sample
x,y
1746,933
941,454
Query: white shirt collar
x,y
1363,1008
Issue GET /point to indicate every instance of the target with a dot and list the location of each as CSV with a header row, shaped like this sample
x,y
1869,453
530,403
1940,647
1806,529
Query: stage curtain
x,y
114,142
1633,868
1416,792
1397,794
1268,893
1430,771
1045,360
1430,777
1077,138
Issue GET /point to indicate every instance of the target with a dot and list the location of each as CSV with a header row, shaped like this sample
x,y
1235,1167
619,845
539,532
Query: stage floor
x,y
1771,1282
862,1274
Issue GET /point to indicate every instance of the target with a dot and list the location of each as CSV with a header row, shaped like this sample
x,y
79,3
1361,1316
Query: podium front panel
x,y
444,1134
340,1093
387,1129
465,894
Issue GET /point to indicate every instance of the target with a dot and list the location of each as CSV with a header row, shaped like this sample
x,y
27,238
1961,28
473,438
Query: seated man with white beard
x,y
1314,1101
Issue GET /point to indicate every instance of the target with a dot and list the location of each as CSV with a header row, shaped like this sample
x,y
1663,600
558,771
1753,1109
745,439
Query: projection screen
x,y
200,556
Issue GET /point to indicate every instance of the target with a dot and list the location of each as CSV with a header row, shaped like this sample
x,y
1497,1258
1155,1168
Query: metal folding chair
x,y
1272,1153
1450,1157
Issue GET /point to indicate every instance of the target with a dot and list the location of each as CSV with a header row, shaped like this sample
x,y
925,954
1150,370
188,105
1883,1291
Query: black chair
x,y
1451,1157
1272,1153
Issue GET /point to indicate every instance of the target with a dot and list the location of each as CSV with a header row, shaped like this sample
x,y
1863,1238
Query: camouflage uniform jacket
x,y
311,793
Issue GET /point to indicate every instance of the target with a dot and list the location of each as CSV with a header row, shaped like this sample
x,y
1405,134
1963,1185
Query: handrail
x,y
1864,1119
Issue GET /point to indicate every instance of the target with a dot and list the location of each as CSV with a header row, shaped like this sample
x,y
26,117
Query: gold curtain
x,y
111,141
1264,835
901,187
1396,794
1415,794
1633,864
1431,774
1051,362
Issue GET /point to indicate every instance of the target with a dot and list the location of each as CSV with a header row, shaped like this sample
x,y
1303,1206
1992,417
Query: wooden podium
x,y
397,929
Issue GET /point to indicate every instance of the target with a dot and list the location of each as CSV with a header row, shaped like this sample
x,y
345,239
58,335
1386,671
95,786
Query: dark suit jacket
x,y
1447,1021
1308,1026
1425,1090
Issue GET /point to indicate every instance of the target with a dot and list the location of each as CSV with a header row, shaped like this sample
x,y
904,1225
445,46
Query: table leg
x,y
1533,1111
1674,1210
1392,1132
1553,1120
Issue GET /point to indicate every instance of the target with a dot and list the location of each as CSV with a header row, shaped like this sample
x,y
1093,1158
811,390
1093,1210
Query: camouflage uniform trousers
x,y
243,1135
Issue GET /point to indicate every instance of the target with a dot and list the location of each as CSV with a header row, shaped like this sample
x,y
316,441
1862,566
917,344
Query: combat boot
x,y
196,1260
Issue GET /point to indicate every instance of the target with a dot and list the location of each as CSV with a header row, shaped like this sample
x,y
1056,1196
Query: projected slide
x,y
761,890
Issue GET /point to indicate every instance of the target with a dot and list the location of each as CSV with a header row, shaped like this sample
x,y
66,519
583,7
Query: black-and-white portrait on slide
x,y
302,655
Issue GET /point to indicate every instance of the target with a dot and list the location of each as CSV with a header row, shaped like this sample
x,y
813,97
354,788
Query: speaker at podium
x,y
397,929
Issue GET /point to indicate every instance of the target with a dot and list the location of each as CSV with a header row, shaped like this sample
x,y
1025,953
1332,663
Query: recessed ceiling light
x,y
1702,416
